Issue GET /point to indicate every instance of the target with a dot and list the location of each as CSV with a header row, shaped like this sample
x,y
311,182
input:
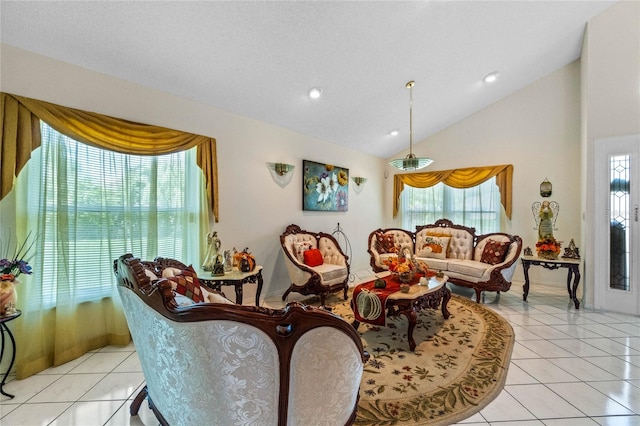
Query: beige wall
x,y
254,209
537,129
610,101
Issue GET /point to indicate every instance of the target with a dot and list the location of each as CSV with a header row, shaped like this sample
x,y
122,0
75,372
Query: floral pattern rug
x,y
459,365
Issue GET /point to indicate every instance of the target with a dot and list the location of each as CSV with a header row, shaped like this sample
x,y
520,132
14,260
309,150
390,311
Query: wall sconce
x,y
359,180
281,169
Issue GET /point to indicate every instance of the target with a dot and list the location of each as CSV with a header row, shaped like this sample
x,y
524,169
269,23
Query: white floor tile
x,y
543,371
517,376
505,408
27,388
612,347
618,420
589,400
94,413
542,402
583,369
582,421
119,386
580,347
616,366
68,388
101,362
35,414
623,392
546,348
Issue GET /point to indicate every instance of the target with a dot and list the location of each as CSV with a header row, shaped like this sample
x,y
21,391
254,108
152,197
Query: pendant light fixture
x,y
411,162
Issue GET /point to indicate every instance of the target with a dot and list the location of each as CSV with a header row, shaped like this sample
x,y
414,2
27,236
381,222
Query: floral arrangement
x,y
400,265
548,247
13,266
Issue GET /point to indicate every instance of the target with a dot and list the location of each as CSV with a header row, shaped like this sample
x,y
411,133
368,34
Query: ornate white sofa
x,y
227,364
482,262
326,273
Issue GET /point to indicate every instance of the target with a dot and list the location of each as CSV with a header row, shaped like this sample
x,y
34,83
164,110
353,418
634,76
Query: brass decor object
x,y
411,162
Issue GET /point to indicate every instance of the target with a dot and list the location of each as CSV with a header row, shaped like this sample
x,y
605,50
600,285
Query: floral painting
x,y
325,187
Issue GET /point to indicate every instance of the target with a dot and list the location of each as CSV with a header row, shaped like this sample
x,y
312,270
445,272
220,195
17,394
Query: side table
x,y
573,273
4,329
235,278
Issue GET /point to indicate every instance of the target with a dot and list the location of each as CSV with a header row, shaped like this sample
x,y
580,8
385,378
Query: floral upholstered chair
x,y
315,262
225,364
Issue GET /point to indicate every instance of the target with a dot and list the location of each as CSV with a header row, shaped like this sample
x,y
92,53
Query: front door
x,y
617,245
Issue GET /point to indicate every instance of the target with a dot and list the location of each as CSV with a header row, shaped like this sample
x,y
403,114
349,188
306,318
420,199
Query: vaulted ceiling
x,y
259,59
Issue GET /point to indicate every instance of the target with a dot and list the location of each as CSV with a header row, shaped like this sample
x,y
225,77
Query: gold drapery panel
x,y
458,178
20,135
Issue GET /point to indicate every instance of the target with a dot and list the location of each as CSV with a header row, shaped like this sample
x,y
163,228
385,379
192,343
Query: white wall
x,y
254,209
611,100
537,129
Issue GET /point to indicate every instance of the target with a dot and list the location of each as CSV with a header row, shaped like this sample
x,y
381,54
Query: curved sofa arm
x,y
281,334
508,266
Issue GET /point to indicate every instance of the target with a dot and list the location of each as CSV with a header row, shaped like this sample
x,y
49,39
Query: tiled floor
x,y
568,368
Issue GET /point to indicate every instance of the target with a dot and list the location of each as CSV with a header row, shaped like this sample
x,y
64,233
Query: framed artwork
x,y
325,187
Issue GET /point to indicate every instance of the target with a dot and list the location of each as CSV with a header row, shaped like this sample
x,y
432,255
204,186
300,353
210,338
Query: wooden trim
x,y
283,326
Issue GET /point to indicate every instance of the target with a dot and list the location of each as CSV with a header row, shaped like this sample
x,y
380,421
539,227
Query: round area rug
x,y
459,364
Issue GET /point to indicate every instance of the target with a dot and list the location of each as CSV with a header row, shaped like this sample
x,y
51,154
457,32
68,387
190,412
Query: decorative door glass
x,y
620,222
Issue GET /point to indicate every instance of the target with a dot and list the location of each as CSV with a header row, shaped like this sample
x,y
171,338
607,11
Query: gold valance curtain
x,y
458,178
20,135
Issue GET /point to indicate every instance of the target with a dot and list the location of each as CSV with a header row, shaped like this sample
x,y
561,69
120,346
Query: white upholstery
x,y
332,271
239,388
317,353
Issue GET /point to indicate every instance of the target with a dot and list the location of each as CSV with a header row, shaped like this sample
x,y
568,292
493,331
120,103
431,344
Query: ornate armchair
x,y
214,363
315,262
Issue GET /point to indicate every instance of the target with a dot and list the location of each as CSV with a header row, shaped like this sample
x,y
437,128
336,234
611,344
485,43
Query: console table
x,y
4,329
573,273
235,278
432,295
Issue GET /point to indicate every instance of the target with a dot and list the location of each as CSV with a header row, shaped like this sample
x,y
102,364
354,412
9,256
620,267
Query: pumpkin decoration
x,y
245,260
380,283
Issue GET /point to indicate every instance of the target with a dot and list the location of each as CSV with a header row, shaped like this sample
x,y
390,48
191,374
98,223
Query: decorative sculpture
x,y
218,267
213,247
572,251
545,215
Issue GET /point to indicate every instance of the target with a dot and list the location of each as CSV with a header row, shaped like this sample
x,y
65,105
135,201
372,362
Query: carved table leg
x,y
412,317
575,272
238,286
259,289
525,287
445,299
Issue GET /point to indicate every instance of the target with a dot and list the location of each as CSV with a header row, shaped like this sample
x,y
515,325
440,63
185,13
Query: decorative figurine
x,y
527,251
228,261
572,251
545,215
218,267
213,247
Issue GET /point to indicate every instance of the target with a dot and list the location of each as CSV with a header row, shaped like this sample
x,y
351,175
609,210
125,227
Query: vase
x,y
8,298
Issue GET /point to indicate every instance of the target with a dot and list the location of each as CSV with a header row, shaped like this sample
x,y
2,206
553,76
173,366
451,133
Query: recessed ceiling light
x,y
491,77
315,92
394,133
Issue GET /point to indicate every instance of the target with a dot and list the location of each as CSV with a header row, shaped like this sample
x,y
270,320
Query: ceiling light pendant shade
x,y
411,162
